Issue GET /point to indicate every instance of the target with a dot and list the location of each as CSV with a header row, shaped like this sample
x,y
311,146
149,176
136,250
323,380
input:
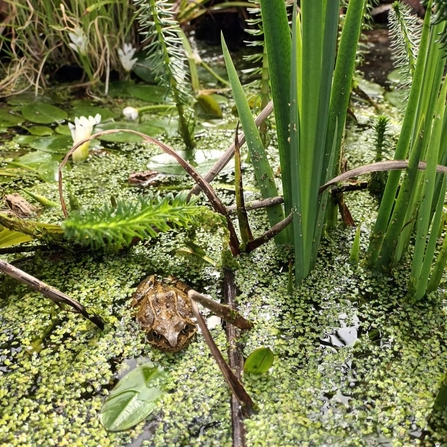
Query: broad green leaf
x,y
26,98
63,129
149,93
133,399
127,137
259,361
8,119
118,89
144,69
42,113
208,107
23,140
87,111
40,131
58,144
10,237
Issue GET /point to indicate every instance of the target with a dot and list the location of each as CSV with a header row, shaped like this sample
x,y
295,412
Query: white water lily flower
x,y
125,56
81,129
79,41
131,113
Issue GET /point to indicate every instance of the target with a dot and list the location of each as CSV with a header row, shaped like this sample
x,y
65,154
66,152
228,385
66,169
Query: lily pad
x,y
148,93
58,144
90,111
127,137
44,164
40,131
202,160
42,113
63,129
118,89
259,361
26,98
133,399
144,69
8,119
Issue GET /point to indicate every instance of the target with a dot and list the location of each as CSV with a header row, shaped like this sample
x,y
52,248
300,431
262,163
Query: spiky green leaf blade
x,y
261,166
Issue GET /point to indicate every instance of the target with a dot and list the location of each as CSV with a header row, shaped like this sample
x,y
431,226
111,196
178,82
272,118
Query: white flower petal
x,y
130,113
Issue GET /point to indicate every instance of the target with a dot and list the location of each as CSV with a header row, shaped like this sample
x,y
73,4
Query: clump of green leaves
x,y
116,226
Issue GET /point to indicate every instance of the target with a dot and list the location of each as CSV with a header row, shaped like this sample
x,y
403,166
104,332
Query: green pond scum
x,y
354,363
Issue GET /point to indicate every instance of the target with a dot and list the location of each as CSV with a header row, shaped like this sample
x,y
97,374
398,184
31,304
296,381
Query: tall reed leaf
x,y
262,169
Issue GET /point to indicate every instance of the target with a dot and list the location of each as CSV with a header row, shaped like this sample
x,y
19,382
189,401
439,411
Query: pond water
x,y
355,363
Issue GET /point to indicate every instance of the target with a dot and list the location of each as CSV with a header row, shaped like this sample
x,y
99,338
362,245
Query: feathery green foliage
x,y
117,226
161,33
377,182
405,35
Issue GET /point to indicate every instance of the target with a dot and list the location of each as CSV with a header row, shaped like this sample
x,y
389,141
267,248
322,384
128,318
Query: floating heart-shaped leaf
x,y
259,361
42,113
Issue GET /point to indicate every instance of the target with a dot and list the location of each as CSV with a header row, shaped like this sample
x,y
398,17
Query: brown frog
x,y
165,313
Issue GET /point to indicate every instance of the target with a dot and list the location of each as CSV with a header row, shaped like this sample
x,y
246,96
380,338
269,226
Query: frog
x,y
164,312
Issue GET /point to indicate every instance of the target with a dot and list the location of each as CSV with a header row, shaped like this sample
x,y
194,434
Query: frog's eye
x,y
156,335
185,329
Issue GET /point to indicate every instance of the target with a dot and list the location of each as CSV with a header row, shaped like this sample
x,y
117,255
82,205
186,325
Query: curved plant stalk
x,y
162,36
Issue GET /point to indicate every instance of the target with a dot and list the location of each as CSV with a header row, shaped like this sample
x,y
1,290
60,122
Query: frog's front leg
x,y
144,288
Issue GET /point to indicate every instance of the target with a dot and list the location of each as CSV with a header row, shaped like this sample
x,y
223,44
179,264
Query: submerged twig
x,y
235,359
270,234
50,292
227,313
238,390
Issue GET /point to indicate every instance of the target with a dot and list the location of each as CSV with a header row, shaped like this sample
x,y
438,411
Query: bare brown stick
x,y
225,312
256,204
391,165
270,234
228,155
238,390
50,292
235,360
204,185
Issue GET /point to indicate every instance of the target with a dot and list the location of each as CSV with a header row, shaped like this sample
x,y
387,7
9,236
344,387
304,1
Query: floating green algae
x,y
378,389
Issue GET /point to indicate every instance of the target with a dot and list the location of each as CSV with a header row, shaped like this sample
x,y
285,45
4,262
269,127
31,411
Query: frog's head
x,y
171,334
